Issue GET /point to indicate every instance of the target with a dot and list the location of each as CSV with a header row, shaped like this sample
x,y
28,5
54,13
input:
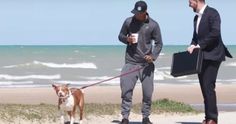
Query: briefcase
x,y
184,63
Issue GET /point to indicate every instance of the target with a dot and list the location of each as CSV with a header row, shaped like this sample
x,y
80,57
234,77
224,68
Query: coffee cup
x,y
135,36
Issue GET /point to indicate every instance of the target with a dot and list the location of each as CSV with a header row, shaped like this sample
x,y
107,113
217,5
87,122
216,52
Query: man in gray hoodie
x,y
142,36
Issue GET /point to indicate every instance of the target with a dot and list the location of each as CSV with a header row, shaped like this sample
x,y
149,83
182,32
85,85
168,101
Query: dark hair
x,y
202,1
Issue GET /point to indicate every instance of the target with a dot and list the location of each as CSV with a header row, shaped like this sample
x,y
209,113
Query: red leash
x,y
124,74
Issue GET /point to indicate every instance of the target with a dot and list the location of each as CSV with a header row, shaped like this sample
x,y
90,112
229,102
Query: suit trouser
x,y
207,79
127,84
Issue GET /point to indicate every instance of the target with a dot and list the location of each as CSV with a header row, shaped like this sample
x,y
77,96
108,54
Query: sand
x,y
190,94
224,118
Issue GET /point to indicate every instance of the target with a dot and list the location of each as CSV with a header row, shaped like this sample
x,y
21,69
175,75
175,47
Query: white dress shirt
x,y
200,17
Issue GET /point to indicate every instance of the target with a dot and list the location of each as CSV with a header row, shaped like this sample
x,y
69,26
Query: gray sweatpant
x,y
127,84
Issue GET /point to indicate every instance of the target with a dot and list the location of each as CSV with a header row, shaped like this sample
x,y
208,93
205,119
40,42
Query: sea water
x,y
40,66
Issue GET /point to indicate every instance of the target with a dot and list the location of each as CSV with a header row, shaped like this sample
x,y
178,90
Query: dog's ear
x,y
54,86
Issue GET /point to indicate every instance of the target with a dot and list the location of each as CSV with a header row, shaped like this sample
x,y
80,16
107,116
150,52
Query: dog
x,y
68,100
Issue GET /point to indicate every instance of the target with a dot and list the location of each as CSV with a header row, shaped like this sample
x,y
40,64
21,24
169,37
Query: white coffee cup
x,y
135,35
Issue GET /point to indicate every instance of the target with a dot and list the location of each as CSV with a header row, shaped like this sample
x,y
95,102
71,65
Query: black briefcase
x,y
184,63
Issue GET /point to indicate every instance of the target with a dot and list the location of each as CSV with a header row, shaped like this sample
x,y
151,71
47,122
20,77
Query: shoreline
x,y
189,94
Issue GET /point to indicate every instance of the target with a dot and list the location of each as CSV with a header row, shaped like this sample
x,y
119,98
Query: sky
x,y
98,22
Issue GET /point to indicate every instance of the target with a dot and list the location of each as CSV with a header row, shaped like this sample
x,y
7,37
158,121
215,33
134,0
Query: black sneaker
x,y
146,121
124,121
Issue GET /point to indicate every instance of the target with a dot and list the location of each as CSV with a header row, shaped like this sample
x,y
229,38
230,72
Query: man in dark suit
x,y
207,37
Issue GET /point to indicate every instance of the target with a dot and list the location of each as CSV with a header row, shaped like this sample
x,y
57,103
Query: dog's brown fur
x,y
64,96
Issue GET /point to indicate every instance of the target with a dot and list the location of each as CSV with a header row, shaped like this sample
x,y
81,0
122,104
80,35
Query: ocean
x,y
40,66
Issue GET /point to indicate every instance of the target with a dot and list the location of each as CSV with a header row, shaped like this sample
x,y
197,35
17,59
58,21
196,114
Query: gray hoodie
x,y
148,32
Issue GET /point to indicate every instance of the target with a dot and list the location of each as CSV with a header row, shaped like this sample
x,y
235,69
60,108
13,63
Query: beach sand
x,y
224,118
190,94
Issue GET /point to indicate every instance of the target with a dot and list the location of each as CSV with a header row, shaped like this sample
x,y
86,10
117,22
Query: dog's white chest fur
x,y
68,104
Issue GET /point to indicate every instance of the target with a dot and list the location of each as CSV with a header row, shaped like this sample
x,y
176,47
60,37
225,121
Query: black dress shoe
x,y
124,121
146,121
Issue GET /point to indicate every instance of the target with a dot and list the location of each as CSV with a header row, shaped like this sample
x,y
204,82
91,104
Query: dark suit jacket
x,y
209,36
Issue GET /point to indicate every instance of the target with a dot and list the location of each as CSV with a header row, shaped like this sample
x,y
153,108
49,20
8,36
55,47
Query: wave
x,y
162,75
15,66
103,78
228,80
78,65
55,65
118,69
84,83
160,68
97,78
158,75
189,81
162,54
164,68
48,77
76,51
23,86
220,81
231,64
4,83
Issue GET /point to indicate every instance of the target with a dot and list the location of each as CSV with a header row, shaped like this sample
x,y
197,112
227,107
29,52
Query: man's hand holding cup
x,y
133,38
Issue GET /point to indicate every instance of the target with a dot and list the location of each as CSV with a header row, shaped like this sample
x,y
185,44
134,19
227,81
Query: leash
x,y
124,74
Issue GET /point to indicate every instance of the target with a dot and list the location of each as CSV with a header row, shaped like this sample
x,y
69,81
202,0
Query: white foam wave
x,y
55,65
98,78
84,83
189,80
162,75
22,86
64,65
219,81
118,69
233,81
76,51
158,75
20,65
48,77
10,66
162,54
5,83
231,64
164,68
